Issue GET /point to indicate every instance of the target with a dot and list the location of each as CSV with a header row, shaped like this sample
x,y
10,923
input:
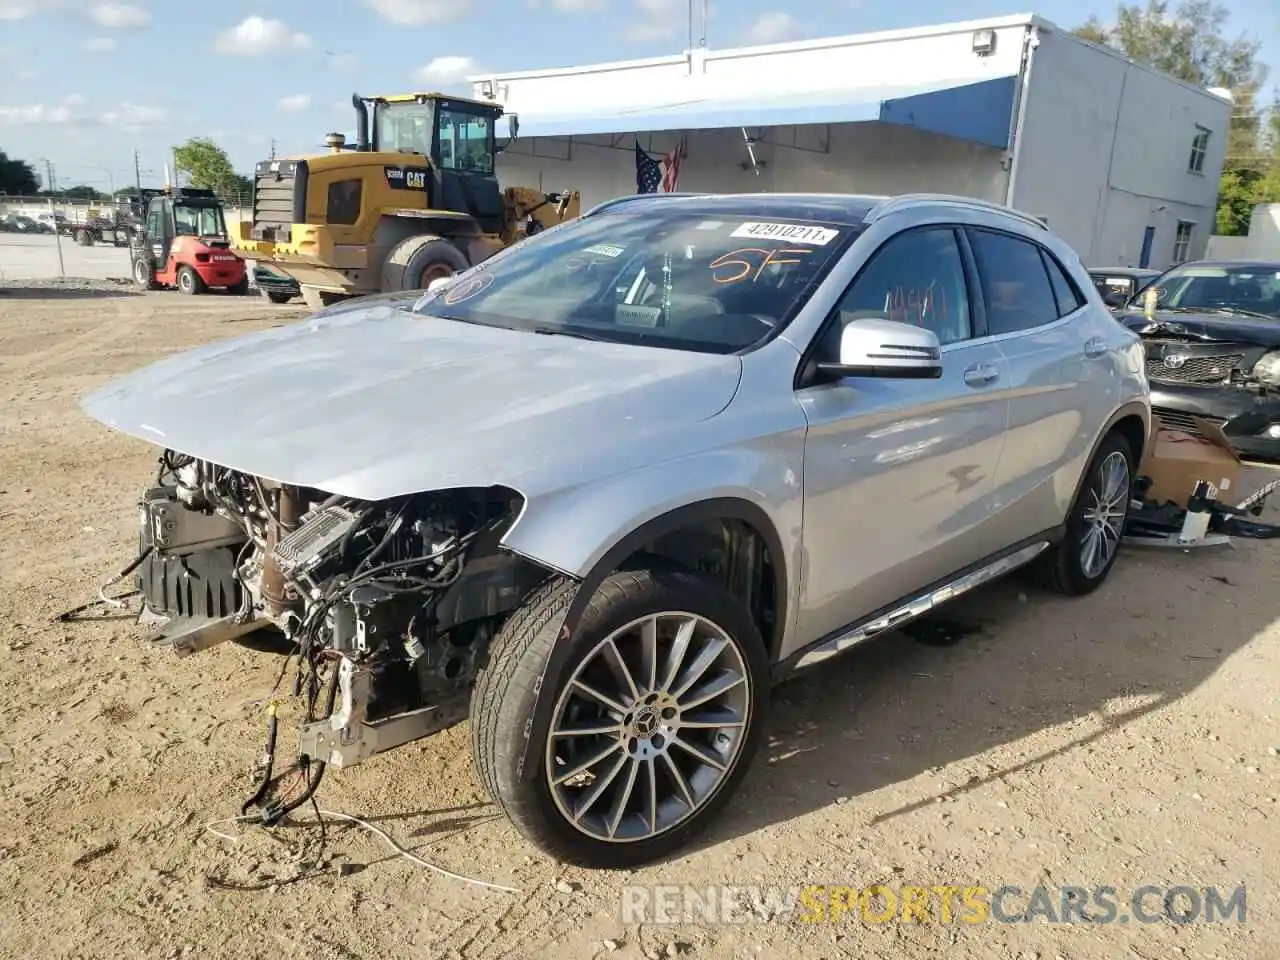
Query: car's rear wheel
x,y
1081,561
641,733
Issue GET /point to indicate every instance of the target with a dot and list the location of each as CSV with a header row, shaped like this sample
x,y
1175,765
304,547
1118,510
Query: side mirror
x,y
1115,298
879,347
438,284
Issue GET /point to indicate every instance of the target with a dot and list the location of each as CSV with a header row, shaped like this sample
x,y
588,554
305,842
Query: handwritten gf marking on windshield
x,y
467,288
740,262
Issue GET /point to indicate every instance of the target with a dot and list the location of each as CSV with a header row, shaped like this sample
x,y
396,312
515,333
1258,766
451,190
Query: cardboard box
x,y
1176,460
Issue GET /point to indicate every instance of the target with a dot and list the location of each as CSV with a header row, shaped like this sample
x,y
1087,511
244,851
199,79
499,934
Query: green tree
x,y
207,166
17,177
1189,44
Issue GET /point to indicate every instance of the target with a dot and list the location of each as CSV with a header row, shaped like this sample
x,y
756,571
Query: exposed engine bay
x,y
384,607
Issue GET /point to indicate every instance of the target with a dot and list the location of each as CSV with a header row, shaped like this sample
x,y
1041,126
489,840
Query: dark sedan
x,y
1213,349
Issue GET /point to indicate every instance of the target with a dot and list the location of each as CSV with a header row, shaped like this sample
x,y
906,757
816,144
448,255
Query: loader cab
x,y
460,138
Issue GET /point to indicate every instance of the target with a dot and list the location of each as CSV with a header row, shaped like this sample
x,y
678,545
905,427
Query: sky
x,y
85,83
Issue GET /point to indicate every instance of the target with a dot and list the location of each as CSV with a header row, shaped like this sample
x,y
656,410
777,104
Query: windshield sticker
x,y
710,225
468,288
635,316
605,249
749,262
793,232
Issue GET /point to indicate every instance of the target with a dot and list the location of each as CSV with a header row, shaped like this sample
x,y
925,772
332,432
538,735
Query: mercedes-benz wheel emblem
x,y
1175,361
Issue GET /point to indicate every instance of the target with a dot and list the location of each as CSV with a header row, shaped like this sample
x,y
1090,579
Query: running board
x,y
920,605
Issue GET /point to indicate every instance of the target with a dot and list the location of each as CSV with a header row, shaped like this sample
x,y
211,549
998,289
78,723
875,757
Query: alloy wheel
x,y
648,727
1107,505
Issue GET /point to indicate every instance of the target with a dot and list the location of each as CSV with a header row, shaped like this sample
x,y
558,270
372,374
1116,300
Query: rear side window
x,y
1068,297
344,202
1015,284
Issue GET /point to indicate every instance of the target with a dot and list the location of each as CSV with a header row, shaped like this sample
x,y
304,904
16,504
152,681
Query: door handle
x,y
980,374
1095,347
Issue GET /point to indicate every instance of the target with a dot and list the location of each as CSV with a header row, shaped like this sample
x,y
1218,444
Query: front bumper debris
x,y
1251,422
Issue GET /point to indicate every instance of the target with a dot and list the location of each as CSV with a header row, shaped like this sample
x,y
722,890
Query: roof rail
x,y
631,198
908,200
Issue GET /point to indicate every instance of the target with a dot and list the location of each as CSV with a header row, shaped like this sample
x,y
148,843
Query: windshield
x,y
191,221
1252,289
405,127
687,280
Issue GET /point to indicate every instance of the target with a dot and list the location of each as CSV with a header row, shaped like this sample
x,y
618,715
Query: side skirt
x,y
896,615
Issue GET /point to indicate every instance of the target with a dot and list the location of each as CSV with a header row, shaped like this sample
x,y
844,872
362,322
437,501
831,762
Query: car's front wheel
x,y
641,733
1081,561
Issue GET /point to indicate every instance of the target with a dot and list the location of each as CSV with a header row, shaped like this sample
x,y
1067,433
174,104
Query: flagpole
x,y
691,25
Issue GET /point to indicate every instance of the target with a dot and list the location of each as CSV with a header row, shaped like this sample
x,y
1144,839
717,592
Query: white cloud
x,y
118,15
35,113
16,9
773,28
255,36
99,44
659,19
75,110
343,61
133,115
417,13
446,70
298,101
570,6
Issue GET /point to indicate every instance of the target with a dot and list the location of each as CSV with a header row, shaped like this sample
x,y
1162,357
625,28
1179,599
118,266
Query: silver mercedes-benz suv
x,y
601,491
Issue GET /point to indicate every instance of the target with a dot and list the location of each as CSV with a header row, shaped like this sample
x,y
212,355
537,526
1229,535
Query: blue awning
x,y
980,112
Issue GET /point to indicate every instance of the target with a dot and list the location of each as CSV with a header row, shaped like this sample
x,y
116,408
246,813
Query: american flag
x,y
658,176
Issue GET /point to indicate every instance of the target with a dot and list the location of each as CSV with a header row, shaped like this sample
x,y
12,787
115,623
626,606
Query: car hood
x,y
1228,327
370,400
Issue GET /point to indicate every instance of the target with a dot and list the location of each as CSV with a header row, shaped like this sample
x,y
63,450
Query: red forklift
x,y
181,241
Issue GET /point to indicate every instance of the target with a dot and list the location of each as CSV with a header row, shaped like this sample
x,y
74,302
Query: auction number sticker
x,y
791,232
610,250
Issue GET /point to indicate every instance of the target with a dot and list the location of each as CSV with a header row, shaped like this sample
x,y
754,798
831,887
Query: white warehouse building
x,y
1121,160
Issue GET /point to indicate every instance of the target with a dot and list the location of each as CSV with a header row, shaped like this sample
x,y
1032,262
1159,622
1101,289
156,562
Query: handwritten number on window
x,y
748,263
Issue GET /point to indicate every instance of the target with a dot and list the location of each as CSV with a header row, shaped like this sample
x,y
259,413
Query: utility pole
x,y
273,148
53,212
137,172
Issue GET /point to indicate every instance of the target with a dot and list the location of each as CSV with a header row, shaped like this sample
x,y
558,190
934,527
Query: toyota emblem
x,y
1175,361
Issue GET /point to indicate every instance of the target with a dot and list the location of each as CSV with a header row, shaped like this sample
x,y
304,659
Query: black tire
x,y
144,274
239,289
415,262
1061,568
84,238
506,713
189,281
277,296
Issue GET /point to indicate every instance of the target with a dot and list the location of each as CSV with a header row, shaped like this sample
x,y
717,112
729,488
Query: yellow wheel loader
x,y
414,199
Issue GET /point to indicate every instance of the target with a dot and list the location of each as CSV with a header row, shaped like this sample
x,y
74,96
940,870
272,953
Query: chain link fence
x,y
70,211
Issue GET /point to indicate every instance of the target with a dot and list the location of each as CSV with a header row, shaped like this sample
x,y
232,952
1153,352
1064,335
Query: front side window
x,y
189,221
466,141
1015,284
1253,290
696,279
405,127
916,277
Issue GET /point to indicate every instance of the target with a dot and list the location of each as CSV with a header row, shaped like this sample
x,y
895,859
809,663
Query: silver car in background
x,y
603,490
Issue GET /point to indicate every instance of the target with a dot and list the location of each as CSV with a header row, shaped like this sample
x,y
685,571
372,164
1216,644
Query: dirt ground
x,y
1125,739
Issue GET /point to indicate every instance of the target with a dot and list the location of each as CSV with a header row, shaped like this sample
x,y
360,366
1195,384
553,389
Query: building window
x,y
1182,241
1199,146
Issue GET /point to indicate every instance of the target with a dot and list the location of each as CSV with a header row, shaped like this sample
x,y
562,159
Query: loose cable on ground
x,y
406,854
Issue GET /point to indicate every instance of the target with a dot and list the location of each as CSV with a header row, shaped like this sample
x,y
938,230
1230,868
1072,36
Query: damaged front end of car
x,y
387,607
1216,371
